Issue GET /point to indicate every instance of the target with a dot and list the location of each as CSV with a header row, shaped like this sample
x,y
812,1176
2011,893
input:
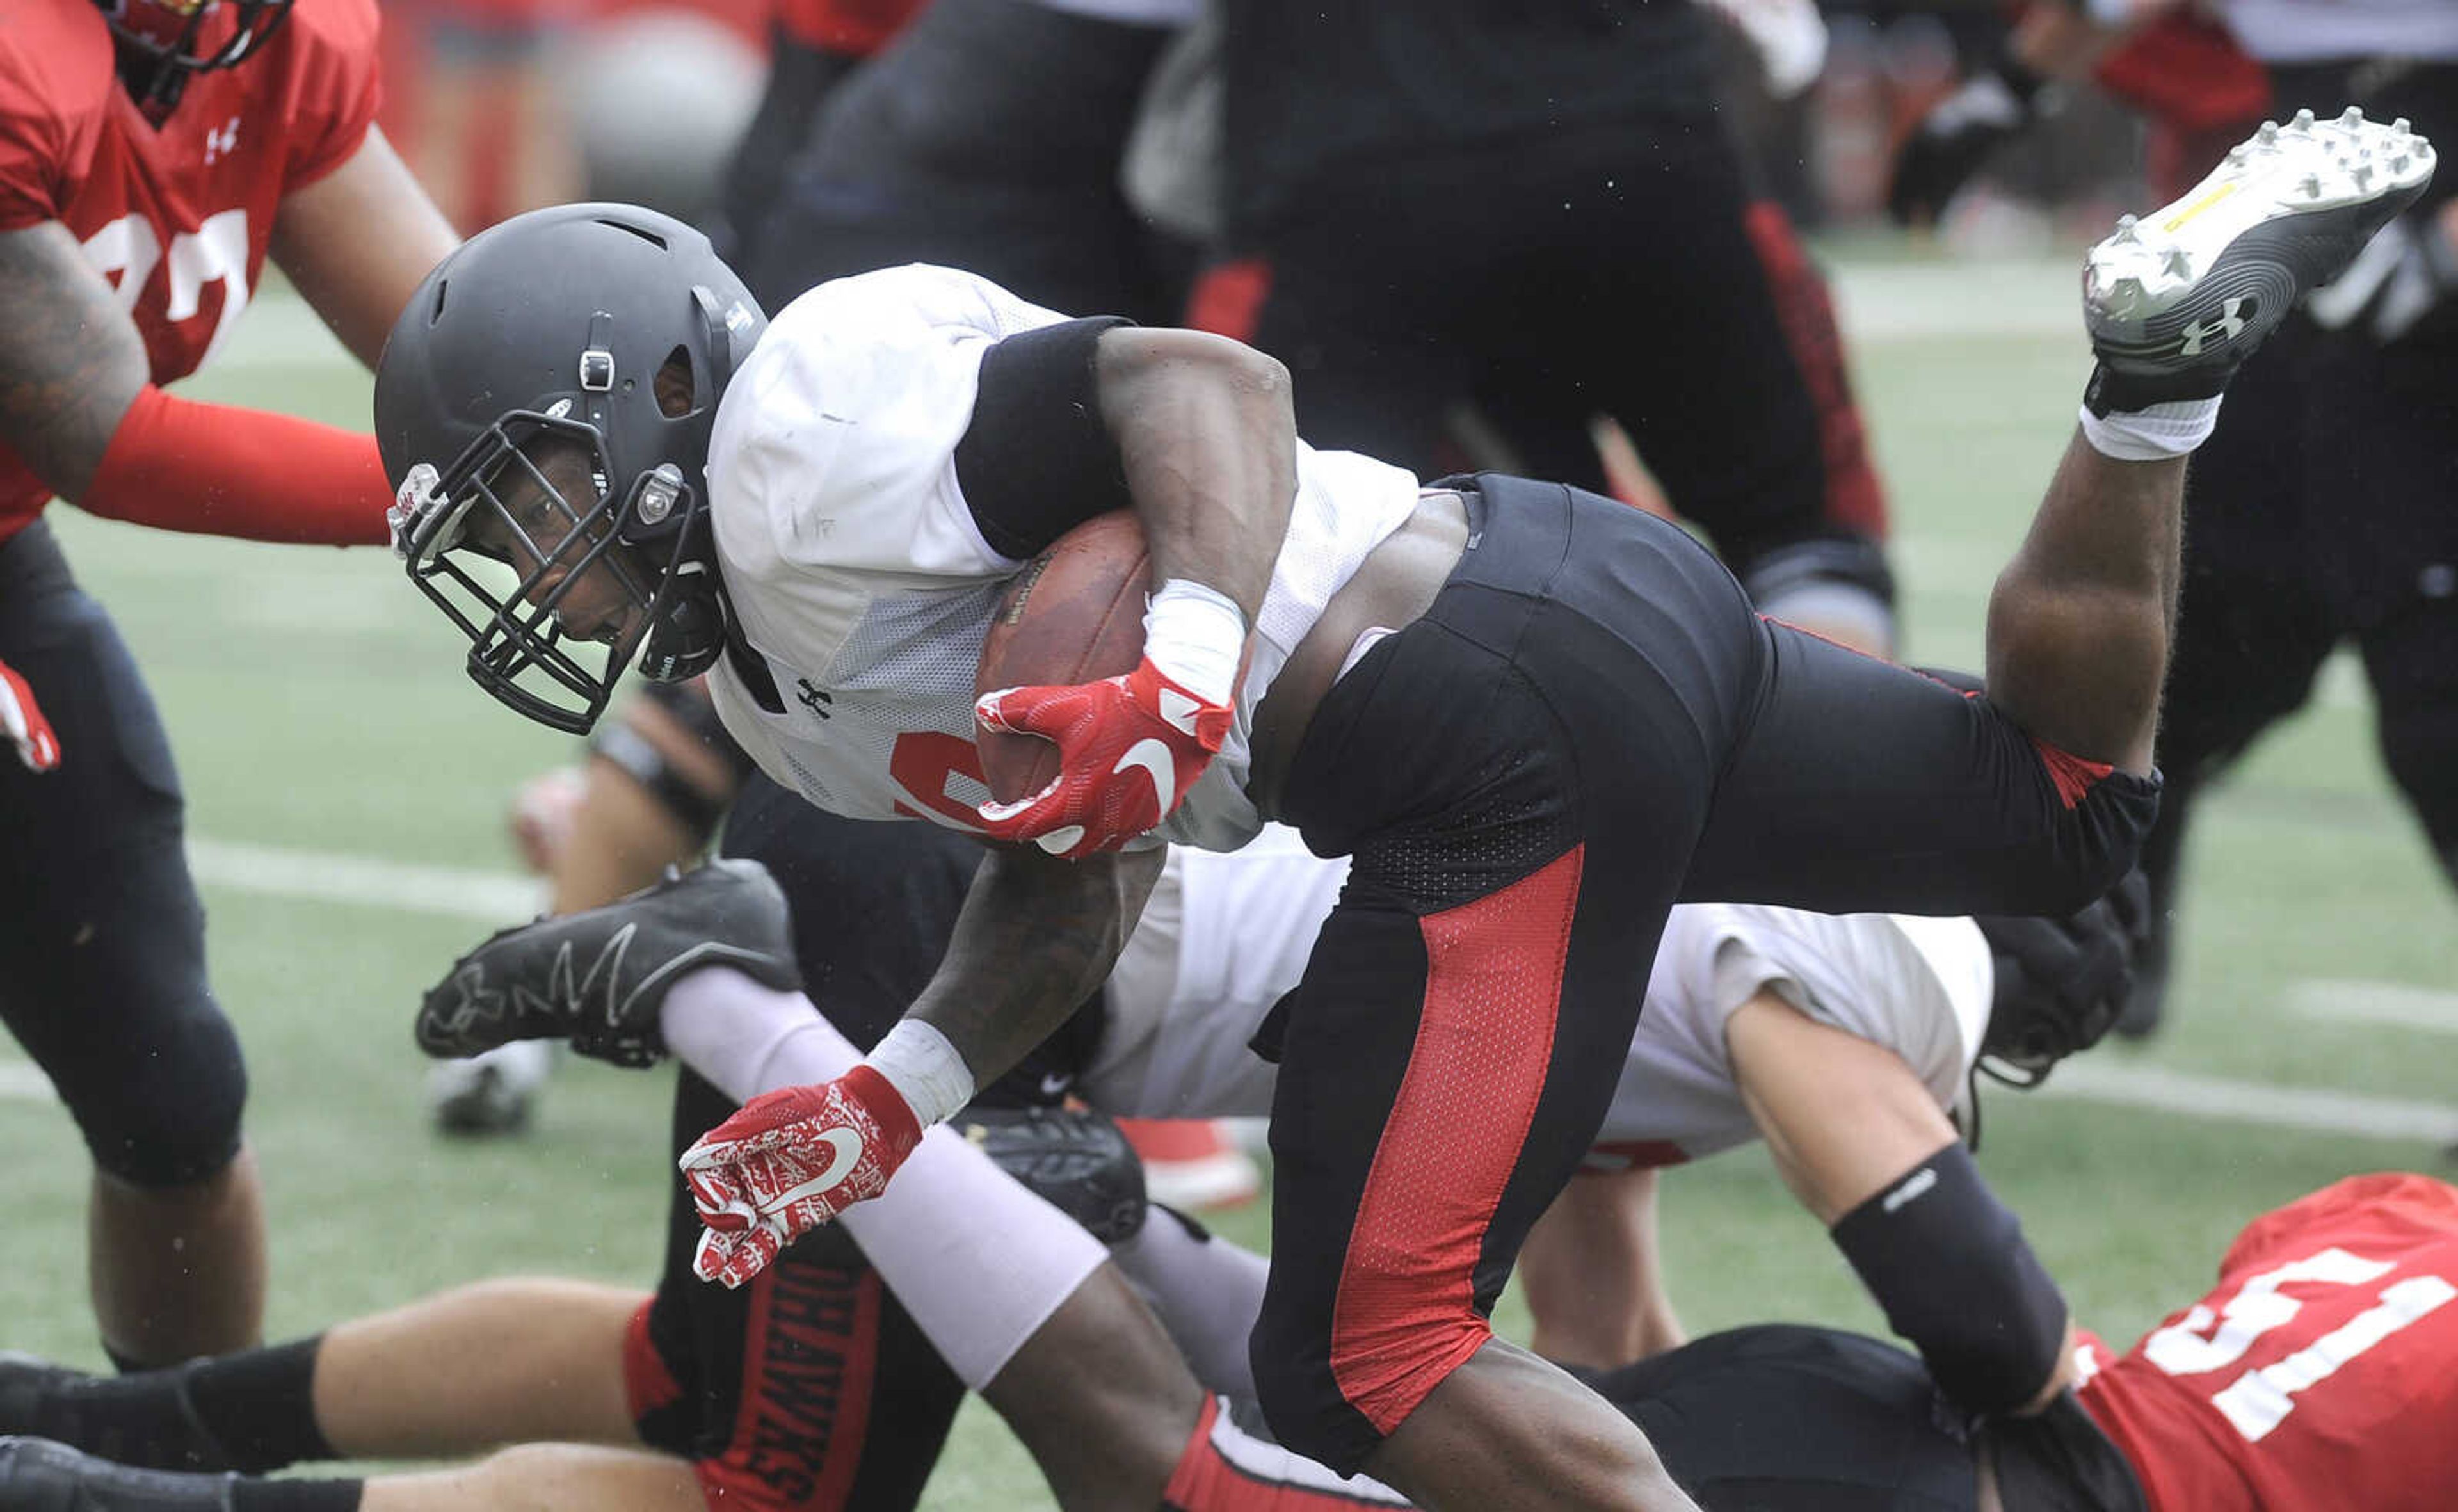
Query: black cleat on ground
x,y
598,977
2177,299
1073,1158
39,1476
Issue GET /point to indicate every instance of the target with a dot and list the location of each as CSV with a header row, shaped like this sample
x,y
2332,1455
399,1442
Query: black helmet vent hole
x,y
674,387
642,232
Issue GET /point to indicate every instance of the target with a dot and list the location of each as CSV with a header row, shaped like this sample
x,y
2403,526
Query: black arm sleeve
x,y
1948,1264
1037,460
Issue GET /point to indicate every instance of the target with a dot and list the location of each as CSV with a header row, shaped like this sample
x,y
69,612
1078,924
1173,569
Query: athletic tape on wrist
x,y
1194,635
2154,434
926,1070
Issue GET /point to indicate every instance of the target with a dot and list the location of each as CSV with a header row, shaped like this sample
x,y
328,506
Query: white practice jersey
x,y
1225,936
859,573
2326,31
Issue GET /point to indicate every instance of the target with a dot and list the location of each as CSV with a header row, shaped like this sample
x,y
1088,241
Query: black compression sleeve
x,y
1949,1263
1037,460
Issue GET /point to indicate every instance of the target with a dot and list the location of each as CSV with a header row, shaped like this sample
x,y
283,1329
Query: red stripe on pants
x,y
810,1356
1405,1316
1228,298
1854,496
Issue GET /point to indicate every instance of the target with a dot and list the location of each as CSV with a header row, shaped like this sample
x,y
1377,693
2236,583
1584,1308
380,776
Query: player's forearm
x,y
1036,938
1208,441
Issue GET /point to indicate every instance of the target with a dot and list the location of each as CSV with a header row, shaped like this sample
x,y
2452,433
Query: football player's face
x,y
545,506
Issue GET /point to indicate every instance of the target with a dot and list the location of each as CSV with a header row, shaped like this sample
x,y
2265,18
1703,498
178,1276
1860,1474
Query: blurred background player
x,y
2318,514
1540,212
152,154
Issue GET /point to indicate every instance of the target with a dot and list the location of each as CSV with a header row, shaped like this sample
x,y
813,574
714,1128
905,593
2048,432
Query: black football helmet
x,y
163,41
605,332
2061,983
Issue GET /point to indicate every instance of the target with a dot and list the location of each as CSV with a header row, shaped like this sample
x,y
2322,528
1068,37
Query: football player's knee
x,y
168,1114
2092,840
1332,1397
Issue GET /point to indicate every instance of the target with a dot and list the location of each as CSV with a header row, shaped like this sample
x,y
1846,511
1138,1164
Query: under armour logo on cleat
x,y
2227,327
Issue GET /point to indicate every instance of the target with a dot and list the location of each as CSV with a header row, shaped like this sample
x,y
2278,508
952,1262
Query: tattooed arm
x,y
71,360
1037,937
79,405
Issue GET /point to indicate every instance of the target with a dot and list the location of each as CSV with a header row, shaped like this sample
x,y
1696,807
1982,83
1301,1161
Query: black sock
x,y
295,1496
259,1405
251,1411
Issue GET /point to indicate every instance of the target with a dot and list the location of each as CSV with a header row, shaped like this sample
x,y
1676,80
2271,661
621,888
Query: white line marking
x,y
2216,1098
2391,1005
321,877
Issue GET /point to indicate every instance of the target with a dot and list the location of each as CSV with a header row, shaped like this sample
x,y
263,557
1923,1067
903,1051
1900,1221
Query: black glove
x,y
2407,276
1957,134
2061,983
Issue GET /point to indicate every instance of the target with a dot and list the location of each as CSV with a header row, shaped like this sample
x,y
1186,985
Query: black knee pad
x,y
169,1115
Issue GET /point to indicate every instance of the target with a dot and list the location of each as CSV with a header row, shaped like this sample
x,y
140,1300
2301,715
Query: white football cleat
x,y
2175,300
490,1094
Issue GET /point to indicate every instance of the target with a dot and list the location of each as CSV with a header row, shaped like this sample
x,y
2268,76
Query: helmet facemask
x,y
162,42
511,557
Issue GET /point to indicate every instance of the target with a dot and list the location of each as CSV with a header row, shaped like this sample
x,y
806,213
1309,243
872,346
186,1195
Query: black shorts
x,y
1620,269
102,938
1783,1417
986,137
1587,725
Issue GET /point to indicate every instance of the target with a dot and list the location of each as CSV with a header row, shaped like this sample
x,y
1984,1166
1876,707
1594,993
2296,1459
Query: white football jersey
x,y
1225,936
859,574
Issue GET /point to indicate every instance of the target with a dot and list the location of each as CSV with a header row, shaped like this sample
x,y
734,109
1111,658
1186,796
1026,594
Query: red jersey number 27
x,y
2261,1396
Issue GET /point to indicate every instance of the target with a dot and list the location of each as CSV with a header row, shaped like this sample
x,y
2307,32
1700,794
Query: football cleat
x,y
1073,1158
598,977
39,1476
491,1095
2177,300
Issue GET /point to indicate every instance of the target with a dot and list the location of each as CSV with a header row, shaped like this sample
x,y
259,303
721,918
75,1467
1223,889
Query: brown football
x,y
1074,614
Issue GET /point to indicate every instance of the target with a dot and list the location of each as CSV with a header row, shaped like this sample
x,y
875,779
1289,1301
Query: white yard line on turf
x,y
2269,1107
272,871
2385,1004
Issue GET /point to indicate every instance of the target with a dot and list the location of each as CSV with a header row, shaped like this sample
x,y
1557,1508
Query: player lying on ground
x,y
2204,1416
1846,1042
1535,718
883,898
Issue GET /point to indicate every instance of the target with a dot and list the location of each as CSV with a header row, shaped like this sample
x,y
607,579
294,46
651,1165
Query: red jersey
x,y
2322,1372
176,216
853,28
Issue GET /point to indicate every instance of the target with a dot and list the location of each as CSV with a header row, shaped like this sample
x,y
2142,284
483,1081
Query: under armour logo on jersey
x,y
2227,327
815,699
222,140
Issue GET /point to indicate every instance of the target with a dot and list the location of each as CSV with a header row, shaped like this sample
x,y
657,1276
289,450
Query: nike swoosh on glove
x,y
22,721
1129,748
789,1161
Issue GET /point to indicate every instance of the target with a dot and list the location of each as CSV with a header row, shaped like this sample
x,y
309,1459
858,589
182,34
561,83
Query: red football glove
x,y
1128,750
22,721
789,1161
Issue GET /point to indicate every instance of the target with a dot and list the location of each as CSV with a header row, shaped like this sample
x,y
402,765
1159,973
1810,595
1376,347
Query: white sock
x,y
1207,1292
2153,434
980,1262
